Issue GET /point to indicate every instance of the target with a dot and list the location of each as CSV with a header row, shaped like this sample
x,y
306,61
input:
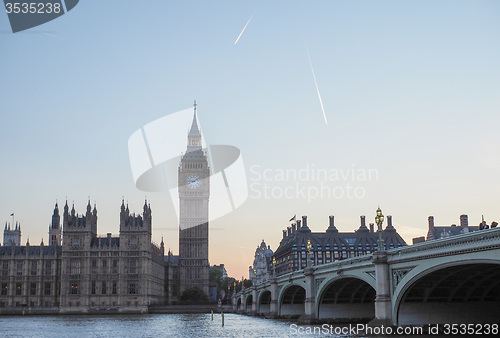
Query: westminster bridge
x,y
451,280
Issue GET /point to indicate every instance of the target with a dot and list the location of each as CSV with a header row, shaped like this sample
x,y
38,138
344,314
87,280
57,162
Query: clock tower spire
x,y
194,136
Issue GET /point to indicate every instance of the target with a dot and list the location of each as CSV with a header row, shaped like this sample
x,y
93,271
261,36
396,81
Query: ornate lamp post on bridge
x,y
310,260
274,267
274,292
383,310
379,219
310,312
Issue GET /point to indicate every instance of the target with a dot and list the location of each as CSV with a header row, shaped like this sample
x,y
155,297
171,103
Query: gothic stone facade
x,y
30,276
85,273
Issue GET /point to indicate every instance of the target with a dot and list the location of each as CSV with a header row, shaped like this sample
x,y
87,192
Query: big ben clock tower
x,y
194,192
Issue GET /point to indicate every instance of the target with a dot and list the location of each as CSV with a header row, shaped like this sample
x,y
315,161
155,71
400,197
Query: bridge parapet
x,y
470,242
345,264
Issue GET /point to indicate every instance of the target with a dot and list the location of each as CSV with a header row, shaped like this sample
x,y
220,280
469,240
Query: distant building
x,y
436,232
221,268
331,245
212,294
262,264
417,240
172,279
215,292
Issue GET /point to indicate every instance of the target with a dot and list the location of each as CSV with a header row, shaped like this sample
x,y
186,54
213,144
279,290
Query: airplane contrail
x,y
239,36
317,89
54,36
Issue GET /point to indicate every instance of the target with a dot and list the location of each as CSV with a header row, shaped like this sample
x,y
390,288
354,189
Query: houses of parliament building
x,y
79,271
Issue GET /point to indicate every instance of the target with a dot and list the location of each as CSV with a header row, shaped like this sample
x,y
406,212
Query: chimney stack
x,y
284,234
331,227
372,227
289,231
304,221
431,222
294,227
464,223
389,221
363,221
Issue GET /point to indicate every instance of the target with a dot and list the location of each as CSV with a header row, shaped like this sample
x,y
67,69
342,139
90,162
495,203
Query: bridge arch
x,y
264,302
292,300
248,303
346,297
464,291
238,305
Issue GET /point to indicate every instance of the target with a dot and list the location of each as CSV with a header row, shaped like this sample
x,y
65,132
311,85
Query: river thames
x,y
156,325
175,325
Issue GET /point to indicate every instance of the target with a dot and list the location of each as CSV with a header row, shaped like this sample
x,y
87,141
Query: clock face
x,y
193,181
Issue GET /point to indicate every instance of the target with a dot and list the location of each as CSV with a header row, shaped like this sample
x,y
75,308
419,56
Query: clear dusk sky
x,y
410,91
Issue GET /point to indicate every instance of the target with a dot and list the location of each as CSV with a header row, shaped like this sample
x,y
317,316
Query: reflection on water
x,y
160,325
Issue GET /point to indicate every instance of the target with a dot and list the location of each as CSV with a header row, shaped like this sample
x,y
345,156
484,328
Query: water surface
x,y
157,325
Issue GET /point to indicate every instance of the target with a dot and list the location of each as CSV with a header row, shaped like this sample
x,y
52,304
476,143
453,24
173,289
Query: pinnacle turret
x,y
56,219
